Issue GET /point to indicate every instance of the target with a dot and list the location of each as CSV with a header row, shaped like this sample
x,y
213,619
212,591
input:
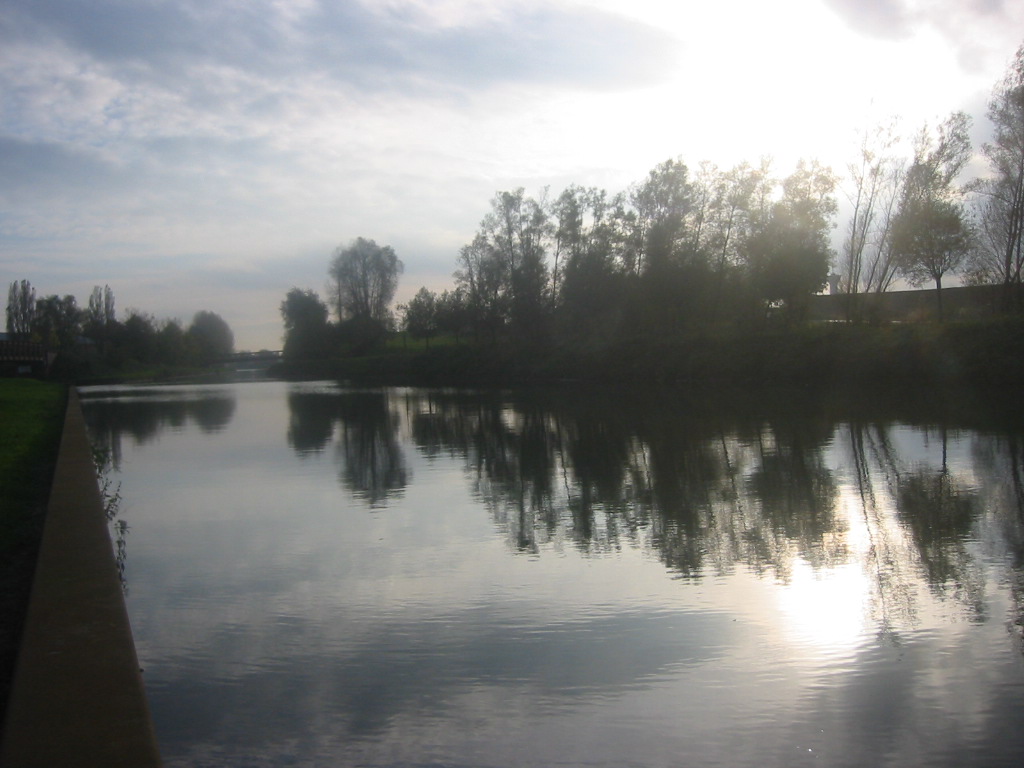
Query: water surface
x,y
322,576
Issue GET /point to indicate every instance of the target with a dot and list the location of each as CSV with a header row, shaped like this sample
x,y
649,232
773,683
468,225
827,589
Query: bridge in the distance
x,y
250,364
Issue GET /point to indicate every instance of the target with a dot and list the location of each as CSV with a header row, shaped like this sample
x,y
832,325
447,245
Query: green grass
x,y
31,416
31,419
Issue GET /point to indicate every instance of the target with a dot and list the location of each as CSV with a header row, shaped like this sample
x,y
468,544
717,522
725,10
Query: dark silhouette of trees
x,y
480,278
789,255
101,308
212,336
21,309
136,338
452,313
93,342
931,234
875,178
57,322
504,270
100,317
661,204
364,277
306,328
173,345
1000,256
670,254
420,315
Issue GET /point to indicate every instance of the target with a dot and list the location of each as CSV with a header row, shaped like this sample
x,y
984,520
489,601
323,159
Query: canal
x,y
319,575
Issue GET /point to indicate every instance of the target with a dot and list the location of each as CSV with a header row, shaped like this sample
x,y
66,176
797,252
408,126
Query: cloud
x,y
401,48
973,28
879,18
28,165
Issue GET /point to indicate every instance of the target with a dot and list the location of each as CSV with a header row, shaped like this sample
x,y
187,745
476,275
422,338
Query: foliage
x,y
21,309
365,276
305,325
681,254
1000,255
840,355
57,322
420,316
789,255
211,336
93,343
672,253
930,234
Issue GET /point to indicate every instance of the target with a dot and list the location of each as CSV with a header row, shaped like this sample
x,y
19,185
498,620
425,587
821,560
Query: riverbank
x,y
976,354
31,418
77,696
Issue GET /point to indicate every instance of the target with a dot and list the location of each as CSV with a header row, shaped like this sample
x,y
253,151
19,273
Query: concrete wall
x,y
77,698
976,301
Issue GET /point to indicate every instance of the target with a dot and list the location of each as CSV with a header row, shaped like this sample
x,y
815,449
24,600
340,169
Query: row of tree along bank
x,y
716,253
92,342
976,354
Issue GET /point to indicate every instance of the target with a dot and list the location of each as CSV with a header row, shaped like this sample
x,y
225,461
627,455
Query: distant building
x,y
22,358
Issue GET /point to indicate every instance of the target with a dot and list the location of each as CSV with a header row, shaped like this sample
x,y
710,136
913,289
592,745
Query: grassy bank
x,y
31,418
825,355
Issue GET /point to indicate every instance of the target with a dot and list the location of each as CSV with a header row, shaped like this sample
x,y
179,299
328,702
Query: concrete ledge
x,y
77,697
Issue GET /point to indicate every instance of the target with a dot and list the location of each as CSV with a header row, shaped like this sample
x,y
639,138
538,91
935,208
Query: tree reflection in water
x,y
702,487
143,413
708,489
373,467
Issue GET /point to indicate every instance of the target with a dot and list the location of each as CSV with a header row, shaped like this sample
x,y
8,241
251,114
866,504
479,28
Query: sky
x,y
197,155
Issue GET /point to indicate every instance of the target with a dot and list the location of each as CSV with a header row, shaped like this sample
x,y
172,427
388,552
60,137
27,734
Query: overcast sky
x,y
196,154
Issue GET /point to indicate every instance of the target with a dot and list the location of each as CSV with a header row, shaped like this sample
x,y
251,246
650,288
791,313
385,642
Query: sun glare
x,y
824,608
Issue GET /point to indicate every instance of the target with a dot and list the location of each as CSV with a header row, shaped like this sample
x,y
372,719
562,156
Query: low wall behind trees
x,y
958,303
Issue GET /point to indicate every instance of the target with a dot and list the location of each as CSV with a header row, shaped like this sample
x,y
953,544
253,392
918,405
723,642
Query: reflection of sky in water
x,y
284,618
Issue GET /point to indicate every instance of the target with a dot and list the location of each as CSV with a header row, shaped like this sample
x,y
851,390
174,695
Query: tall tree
x,y
21,309
880,268
364,278
305,325
420,319
451,312
101,307
172,345
789,256
482,279
1002,213
581,216
58,321
873,184
662,202
518,228
504,271
931,234
211,335
100,317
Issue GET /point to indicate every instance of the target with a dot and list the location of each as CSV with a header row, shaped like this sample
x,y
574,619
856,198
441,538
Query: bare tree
x,y
873,186
1000,256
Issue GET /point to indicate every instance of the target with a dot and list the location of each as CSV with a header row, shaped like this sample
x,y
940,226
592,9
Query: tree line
x,y
683,249
92,338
